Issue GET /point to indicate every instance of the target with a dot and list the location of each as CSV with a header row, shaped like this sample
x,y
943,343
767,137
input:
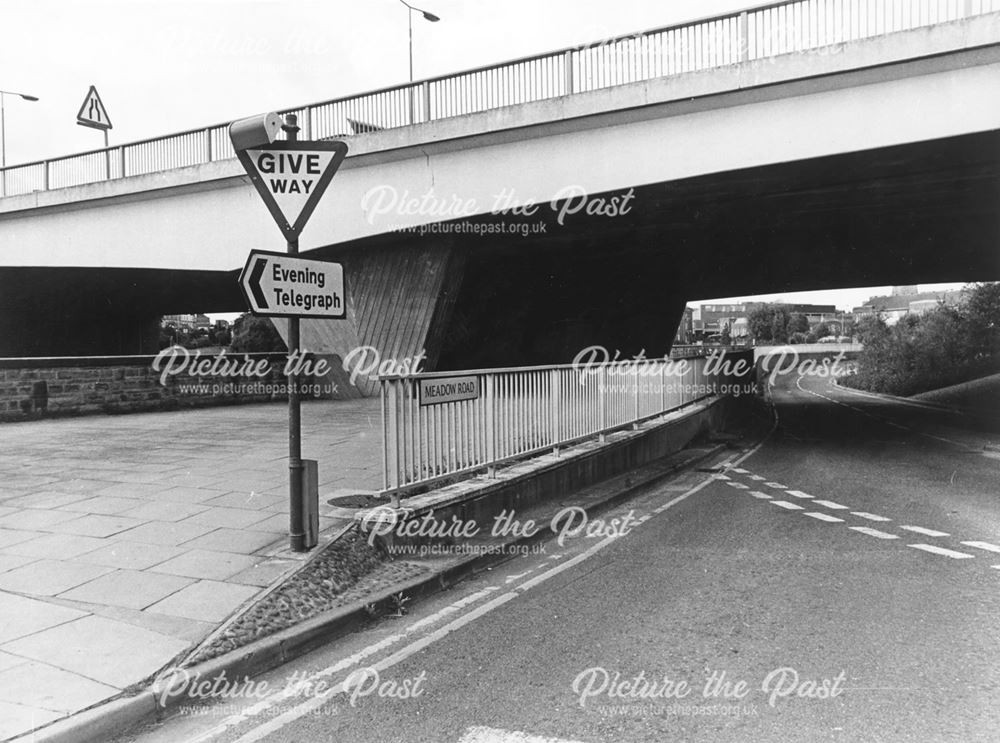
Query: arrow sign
x,y
92,112
291,178
277,285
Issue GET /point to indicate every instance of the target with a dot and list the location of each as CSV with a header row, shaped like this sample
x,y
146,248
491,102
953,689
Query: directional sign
x,y
291,177
92,112
277,285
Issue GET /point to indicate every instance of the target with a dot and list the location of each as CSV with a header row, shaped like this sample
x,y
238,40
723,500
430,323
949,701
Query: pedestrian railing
x,y
756,33
436,426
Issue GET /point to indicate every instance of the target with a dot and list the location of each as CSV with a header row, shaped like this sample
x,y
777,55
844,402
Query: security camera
x,y
257,131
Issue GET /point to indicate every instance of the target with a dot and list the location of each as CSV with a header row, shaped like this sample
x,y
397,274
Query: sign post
x,y
291,176
93,114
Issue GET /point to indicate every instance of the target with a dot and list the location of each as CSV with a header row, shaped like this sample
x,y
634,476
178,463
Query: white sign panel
x,y
279,285
92,112
291,178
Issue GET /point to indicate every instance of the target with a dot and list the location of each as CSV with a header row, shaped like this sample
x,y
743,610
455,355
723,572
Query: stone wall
x,y
33,388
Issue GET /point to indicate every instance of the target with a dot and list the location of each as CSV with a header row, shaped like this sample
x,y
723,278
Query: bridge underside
x,y
920,213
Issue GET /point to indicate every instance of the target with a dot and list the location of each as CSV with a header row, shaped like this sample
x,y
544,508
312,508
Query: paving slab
x,y
234,540
33,519
49,577
9,562
165,511
103,504
133,589
209,564
16,719
206,600
56,546
96,525
22,616
40,685
9,537
128,555
165,532
111,652
233,518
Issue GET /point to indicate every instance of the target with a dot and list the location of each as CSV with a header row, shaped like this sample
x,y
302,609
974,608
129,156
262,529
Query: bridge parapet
x,y
758,33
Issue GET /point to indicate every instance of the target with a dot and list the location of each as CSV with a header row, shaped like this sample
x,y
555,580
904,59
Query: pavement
x,y
125,540
837,583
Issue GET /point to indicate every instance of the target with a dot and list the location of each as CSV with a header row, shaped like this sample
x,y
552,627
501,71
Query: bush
x,y
256,335
943,347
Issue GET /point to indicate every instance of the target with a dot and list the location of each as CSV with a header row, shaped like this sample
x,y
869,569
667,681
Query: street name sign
x,y
278,285
291,178
441,390
92,112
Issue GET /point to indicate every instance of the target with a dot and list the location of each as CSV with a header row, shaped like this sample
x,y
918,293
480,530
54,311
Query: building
x,y
188,322
898,305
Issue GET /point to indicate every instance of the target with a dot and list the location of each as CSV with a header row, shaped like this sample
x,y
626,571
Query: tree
x,y
256,334
798,323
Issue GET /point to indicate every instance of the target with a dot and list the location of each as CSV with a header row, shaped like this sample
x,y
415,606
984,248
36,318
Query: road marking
x,y
777,485
869,516
738,485
721,477
758,478
786,504
758,494
873,532
831,504
925,532
512,578
799,494
479,734
740,470
983,546
941,551
824,517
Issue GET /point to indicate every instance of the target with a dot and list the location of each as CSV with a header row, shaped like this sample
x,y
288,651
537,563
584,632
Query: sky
x,y
163,66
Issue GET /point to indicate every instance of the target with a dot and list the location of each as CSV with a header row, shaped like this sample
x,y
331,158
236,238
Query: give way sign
x,y
291,178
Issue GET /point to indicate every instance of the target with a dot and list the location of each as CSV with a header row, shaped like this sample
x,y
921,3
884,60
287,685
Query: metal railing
x,y
514,413
756,33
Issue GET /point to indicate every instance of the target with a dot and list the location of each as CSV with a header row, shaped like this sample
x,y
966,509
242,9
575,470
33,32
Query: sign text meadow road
x,y
278,285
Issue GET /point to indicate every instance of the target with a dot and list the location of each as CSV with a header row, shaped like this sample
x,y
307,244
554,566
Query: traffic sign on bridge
x,y
291,178
277,285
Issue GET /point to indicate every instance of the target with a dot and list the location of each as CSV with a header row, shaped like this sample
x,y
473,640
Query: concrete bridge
x,y
517,213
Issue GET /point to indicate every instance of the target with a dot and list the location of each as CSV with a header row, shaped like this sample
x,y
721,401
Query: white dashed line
x,y
831,504
941,551
869,516
757,478
873,532
925,532
777,485
983,546
721,477
740,470
738,485
799,494
758,494
825,517
786,504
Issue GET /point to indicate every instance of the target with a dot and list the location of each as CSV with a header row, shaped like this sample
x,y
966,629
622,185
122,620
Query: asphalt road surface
x,y
837,583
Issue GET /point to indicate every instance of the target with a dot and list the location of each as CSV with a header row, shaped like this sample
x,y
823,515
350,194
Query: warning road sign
x,y
291,178
92,112
277,285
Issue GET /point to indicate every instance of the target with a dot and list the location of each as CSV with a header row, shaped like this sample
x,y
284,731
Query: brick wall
x,y
44,387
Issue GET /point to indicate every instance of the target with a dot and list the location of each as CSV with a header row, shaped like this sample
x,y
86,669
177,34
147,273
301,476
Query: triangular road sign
x,y
92,112
291,178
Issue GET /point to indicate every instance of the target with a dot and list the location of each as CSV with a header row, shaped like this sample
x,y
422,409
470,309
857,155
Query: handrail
x,y
756,32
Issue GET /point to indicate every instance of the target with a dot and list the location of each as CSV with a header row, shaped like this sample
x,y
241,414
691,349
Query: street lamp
x,y
3,129
428,16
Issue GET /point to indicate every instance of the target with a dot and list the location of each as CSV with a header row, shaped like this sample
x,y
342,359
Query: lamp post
x,y
409,15
3,137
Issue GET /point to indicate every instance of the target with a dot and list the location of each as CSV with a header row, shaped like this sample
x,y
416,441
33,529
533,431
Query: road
x,y
837,583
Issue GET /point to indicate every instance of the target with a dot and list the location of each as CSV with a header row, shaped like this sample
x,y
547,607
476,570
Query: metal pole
x,y
107,157
3,150
409,17
296,506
